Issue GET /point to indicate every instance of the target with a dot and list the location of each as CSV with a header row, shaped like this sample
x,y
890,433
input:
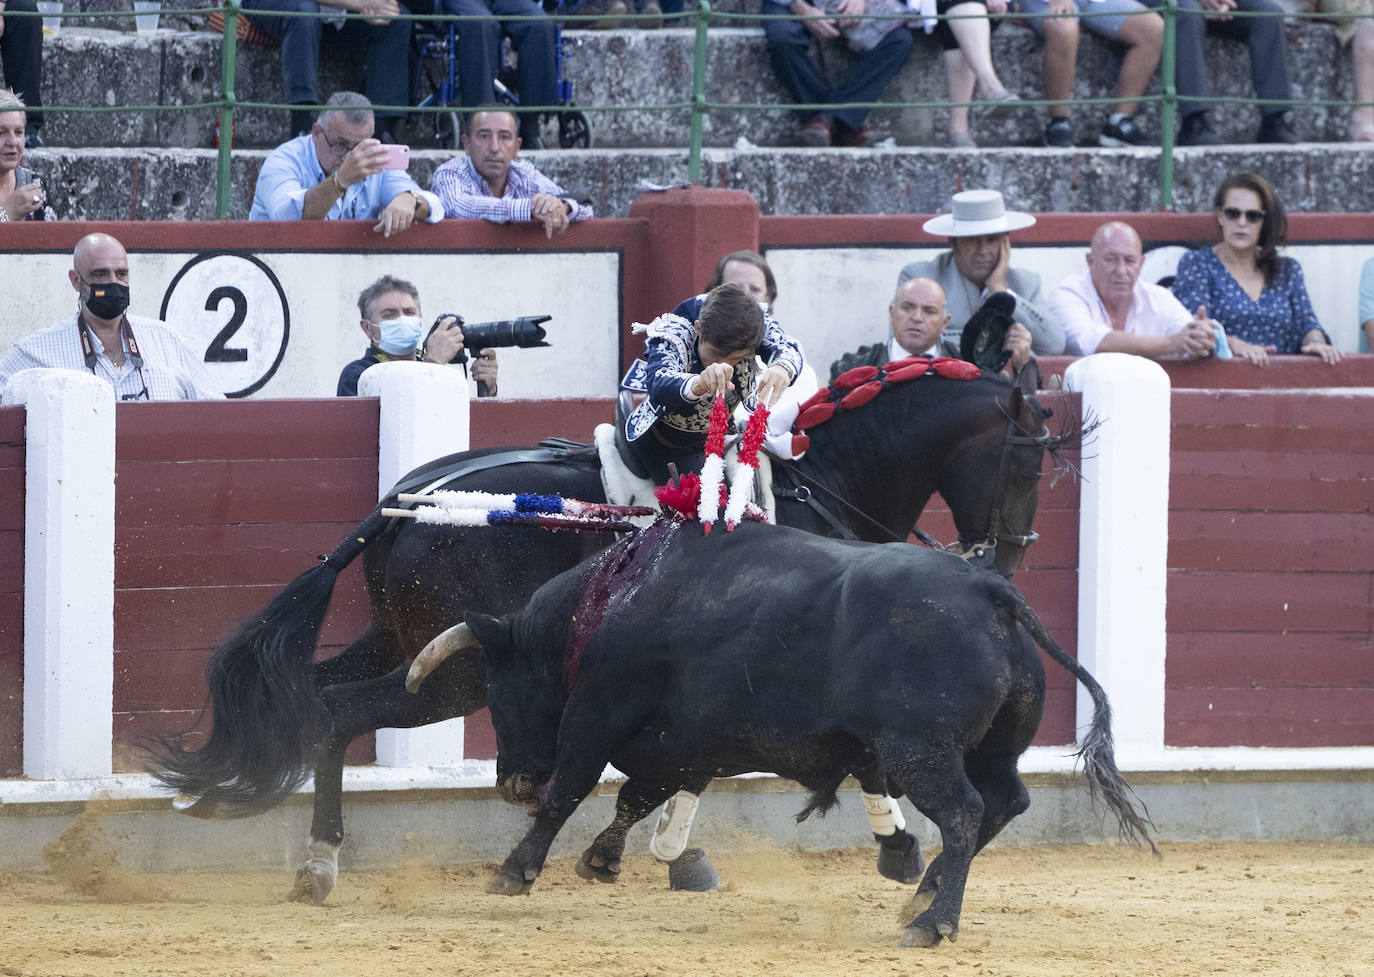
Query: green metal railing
x,y
698,105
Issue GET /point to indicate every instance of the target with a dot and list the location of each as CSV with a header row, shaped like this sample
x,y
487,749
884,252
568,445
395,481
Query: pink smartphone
x,y
397,157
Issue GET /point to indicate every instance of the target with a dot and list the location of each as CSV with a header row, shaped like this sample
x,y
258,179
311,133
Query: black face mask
x,y
107,300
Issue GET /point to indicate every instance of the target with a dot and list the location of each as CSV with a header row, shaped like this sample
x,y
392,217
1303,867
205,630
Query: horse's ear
x,y
488,630
1028,378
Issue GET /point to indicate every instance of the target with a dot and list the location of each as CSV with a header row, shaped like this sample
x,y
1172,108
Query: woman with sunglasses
x,y
1246,285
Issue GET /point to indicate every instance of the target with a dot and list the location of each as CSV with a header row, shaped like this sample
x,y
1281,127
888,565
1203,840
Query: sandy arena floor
x,y
1258,910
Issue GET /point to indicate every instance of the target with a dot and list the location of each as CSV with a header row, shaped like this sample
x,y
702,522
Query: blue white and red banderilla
x,y
449,508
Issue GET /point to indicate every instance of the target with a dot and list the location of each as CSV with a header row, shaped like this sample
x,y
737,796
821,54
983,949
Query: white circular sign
x,y
231,310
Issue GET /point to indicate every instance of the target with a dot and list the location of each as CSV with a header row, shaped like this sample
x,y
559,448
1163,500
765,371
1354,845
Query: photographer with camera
x,y
390,310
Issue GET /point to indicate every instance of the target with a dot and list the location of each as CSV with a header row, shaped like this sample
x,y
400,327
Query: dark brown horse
x,y
278,718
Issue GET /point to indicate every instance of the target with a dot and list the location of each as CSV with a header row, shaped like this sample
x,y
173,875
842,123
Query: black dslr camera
x,y
525,332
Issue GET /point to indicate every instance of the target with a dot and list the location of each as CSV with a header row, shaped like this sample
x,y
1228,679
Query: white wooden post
x,y
1123,546
68,572
424,416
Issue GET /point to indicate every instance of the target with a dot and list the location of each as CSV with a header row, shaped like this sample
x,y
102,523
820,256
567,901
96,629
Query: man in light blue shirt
x,y
338,172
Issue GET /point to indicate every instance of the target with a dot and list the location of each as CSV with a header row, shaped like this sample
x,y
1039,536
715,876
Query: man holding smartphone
x,y
337,171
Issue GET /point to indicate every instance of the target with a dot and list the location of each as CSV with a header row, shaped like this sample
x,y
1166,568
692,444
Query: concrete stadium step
x,y
160,184
111,68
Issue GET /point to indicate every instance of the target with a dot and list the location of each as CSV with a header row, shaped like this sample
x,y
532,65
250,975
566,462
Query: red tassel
x,y
821,396
684,496
954,369
861,395
814,415
715,437
800,442
854,377
910,371
754,434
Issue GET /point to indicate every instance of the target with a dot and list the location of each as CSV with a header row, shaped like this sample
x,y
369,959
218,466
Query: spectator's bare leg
x,y
1061,54
1144,35
961,82
1362,54
970,26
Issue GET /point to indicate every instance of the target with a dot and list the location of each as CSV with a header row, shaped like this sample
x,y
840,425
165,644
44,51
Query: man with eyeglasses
x,y
141,358
1109,309
337,171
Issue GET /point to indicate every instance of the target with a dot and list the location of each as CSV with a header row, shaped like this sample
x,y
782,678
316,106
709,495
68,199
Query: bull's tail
x,y
268,717
1098,753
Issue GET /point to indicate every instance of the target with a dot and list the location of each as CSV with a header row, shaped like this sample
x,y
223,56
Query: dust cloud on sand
x,y
1261,910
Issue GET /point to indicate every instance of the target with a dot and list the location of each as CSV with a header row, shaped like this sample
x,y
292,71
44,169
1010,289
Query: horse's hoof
x,y
194,805
588,869
502,884
920,935
692,872
312,884
904,866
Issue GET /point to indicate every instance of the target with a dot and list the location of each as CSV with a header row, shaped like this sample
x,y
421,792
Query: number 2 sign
x,y
232,309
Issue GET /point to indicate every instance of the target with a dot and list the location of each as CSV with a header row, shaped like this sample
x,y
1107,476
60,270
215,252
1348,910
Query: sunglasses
x,y
1235,214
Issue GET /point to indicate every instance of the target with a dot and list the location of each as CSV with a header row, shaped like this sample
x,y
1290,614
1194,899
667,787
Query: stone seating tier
x,y
100,67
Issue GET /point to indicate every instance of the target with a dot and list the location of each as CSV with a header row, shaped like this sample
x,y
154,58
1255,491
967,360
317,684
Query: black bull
x,y
278,717
774,650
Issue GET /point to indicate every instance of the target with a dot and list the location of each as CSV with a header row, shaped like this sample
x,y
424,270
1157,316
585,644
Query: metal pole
x,y
698,92
1169,108
223,174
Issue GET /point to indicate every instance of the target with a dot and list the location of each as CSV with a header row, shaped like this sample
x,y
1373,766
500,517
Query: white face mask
x,y
400,335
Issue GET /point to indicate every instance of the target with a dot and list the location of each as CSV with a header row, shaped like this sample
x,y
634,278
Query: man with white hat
x,y
978,266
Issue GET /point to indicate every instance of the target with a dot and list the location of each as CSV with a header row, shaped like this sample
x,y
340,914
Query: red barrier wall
x,y
1271,570
11,591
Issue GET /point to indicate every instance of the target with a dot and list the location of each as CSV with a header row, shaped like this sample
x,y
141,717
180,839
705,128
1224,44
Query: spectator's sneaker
x,y
1276,128
650,10
610,12
1122,134
1058,134
1002,105
816,131
32,140
1197,131
961,140
532,141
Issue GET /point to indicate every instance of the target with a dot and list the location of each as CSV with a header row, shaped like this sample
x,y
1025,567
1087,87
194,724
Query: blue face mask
x,y
400,335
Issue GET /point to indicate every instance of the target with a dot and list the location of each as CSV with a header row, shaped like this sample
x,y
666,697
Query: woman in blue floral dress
x,y
1245,284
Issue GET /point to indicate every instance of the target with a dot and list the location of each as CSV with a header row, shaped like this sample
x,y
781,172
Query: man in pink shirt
x,y
1109,309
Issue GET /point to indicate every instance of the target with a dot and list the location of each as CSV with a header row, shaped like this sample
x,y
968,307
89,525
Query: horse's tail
x,y
268,717
1105,783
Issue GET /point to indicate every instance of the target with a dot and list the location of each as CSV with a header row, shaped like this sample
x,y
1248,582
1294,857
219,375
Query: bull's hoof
x,y
927,932
692,872
594,868
900,859
502,884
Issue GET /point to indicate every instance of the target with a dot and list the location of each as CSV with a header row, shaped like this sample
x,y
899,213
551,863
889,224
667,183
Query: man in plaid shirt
x,y
489,183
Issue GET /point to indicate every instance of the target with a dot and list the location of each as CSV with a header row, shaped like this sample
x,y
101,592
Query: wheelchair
x,y
434,45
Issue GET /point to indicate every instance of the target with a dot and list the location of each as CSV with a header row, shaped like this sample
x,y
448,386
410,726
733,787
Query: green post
x,y
1169,108
698,92
228,49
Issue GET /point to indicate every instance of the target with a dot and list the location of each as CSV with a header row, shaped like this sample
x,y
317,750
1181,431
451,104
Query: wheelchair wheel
x,y
448,128
574,131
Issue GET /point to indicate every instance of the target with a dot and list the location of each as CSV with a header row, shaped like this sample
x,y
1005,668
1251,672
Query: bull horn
x,y
432,655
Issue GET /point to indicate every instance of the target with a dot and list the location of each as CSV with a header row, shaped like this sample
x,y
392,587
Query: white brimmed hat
x,y
975,213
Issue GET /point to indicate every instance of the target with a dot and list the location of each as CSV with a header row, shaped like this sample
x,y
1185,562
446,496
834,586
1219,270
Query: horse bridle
x,y
981,552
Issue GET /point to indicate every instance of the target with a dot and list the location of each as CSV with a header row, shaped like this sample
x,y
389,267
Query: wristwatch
x,y
337,185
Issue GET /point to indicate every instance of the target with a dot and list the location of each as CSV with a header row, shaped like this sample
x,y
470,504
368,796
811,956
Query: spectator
x,y
1367,305
336,172
387,66
1109,309
748,270
140,358
789,44
1268,68
966,42
978,265
1141,34
917,319
1259,296
610,12
479,52
687,364
22,197
21,49
390,319
1354,20
489,183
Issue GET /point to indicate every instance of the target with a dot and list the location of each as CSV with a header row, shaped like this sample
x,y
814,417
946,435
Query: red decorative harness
x,y
858,386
